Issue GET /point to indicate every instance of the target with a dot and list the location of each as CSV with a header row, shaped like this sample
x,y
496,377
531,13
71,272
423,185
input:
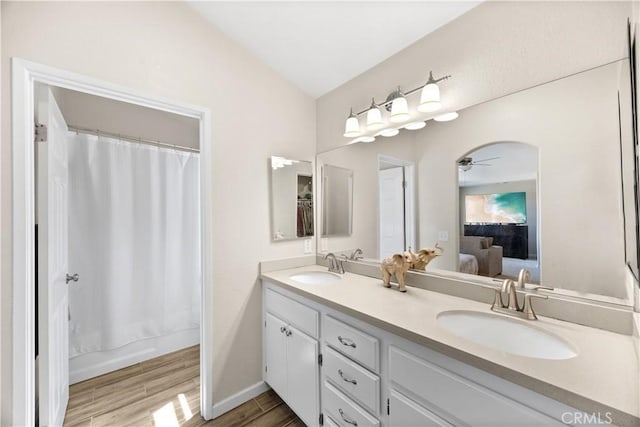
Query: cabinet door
x,y
403,412
276,354
303,376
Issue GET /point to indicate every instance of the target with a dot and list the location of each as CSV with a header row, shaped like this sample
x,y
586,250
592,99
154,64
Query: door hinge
x,y
265,368
265,323
40,133
404,184
321,419
320,359
388,409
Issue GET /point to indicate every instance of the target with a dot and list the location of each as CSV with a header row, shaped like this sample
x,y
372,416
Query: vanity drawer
x,y
351,342
344,411
456,399
302,317
352,379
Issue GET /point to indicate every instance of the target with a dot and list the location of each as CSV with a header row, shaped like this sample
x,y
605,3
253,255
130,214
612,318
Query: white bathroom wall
x,y
165,49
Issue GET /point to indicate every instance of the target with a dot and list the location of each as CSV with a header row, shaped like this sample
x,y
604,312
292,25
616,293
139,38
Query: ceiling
x,y
515,162
321,45
107,115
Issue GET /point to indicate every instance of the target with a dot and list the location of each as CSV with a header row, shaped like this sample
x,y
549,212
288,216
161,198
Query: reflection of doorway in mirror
x,y
498,200
396,206
304,206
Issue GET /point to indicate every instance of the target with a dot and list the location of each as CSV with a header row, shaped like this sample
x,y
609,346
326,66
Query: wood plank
x,y
268,400
141,378
296,423
238,416
279,416
131,396
170,379
106,403
106,379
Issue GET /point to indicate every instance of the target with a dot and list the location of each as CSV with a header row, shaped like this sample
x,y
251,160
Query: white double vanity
x,y
341,350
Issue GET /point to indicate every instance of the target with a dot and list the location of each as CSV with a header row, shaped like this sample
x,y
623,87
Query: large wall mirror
x,y
544,174
291,199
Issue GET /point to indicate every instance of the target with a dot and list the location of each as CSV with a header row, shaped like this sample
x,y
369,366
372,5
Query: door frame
x,y
24,76
409,198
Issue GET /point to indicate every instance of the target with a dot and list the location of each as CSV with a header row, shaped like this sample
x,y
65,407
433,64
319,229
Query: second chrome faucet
x,y
511,306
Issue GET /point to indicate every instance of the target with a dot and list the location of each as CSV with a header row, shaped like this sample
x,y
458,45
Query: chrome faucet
x,y
335,265
356,254
511,307
523,277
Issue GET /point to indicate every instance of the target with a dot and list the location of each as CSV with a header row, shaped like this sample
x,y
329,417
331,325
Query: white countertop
x,y
605,371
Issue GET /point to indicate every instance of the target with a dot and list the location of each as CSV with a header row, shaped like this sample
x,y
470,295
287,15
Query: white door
x,y
276,354
391,200
53,296
303,378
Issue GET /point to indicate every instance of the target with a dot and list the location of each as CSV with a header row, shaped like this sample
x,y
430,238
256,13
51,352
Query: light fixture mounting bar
x,y
389,99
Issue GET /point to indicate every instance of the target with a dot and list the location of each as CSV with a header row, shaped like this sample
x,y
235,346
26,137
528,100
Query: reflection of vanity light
x,y
389,132
363,139
278,162
446,117
415,125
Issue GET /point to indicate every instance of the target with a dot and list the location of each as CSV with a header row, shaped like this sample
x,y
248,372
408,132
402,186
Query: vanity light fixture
x,y
446,117
389,132
352,126
399,112
374,117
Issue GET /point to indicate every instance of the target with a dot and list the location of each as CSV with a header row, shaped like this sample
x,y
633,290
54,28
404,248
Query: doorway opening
x,y
396,206
28,80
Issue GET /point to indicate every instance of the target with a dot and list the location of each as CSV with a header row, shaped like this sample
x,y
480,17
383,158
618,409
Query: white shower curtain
x,y
134,239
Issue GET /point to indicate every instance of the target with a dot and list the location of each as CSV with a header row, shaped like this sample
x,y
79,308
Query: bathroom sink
x,y
315,277
505,334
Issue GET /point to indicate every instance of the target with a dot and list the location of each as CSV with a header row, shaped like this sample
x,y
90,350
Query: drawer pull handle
x,y
347,419
346,341
346,378
282,329
288,333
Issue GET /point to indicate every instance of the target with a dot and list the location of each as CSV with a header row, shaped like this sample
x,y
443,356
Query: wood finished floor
x,y
164,391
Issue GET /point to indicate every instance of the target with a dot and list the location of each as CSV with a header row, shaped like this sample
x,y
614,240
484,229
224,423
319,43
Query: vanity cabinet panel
x,y
352,379
291,356
304,318
456,399
303,378
344,411
403,412
351,342
275,354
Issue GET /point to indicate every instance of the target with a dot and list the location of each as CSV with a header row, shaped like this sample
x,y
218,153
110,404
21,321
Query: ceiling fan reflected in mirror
x,y
466,163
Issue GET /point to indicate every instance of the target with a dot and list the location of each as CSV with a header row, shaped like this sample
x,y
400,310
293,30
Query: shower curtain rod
x,y
98,132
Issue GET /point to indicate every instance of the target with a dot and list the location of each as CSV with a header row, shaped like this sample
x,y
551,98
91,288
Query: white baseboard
x,y
239,398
